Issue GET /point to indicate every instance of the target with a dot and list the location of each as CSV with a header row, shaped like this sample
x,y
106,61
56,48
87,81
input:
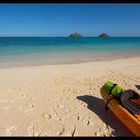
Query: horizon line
x,y
67,36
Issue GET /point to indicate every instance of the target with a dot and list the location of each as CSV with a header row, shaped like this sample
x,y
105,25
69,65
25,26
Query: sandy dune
x,y
63,100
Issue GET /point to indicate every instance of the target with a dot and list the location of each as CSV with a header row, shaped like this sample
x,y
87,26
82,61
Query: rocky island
x,y
75,35
103,35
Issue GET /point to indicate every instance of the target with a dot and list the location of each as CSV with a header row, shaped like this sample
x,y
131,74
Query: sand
x,y
63,100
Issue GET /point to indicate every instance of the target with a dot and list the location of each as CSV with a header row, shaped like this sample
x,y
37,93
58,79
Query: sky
x,y
64,19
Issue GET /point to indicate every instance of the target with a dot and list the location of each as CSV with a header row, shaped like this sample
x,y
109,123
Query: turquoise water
x,y
53,50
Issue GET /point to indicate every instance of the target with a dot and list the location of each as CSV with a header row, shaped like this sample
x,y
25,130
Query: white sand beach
x,y
63,100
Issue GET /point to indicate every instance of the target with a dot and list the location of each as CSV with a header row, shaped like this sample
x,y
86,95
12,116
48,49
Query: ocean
x,y
26,51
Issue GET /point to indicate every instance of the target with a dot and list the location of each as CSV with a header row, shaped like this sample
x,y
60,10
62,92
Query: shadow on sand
x,y
137,86
97,106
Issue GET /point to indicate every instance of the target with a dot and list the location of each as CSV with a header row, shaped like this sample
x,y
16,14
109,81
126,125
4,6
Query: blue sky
x,y
64,19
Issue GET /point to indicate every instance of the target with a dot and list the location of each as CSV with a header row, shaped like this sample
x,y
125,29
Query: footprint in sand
x,y
29,109
46,116
77,117
97,134
22,96
56,116
86,122
60,106
71,131
30,130
108,133
59,133
10,131
37,134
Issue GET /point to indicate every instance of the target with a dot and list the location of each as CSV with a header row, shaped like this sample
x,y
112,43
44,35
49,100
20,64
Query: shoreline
x,y
68,63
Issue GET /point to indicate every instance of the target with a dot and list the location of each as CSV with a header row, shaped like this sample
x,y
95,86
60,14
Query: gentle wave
x,y
57,50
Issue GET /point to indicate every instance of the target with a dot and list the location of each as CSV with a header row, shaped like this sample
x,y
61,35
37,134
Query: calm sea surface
x,y
25,51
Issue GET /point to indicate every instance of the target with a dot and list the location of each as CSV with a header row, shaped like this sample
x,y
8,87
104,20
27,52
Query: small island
x,y
75,35
103,35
